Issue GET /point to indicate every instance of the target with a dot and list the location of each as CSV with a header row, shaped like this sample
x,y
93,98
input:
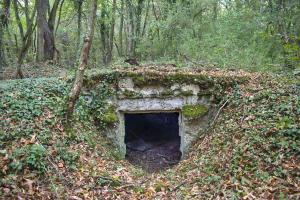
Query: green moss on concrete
x,y
130,94
194,111
168,79
110,115
161,77
138,79
141,80
186,93
166,93
110,118
189,79
95,77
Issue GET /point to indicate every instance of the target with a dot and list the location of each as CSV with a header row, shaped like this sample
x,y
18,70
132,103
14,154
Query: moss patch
x,y
194,111
110,116
186,93
129,94
95,77
167,93
141,80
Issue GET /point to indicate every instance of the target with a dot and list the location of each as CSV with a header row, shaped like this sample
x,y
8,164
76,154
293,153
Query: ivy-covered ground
x,y
252,151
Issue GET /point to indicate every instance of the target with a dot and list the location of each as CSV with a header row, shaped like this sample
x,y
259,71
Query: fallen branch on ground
x,y
218,113
178,186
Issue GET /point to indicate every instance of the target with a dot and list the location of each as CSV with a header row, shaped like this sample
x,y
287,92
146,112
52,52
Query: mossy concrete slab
x,y
193,93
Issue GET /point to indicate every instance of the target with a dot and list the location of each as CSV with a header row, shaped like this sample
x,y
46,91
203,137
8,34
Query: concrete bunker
x,y
142,99
153,139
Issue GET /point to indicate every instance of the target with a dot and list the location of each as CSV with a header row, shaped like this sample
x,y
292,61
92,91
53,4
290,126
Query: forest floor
x,y
35,70
251,152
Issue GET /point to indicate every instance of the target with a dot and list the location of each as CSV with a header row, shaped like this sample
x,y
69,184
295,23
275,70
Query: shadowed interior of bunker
x,y
152,139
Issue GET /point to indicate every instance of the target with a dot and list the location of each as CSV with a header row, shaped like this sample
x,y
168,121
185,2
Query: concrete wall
x,y
193,92
151,99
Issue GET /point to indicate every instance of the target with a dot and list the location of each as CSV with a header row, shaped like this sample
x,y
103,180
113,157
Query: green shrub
x,y
31,156
36,157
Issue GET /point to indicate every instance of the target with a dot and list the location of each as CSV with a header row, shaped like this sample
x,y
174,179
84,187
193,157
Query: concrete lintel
x,y
154,104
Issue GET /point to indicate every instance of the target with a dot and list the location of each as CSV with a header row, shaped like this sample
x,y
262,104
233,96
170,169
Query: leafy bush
x,y
31,156
36,157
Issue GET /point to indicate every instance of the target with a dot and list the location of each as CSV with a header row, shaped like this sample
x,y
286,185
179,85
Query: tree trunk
x,y
138,24
42,8
112,33
27,16
131,41
121,29
156,18
215,10
79,23
104,32
4,16
18,19
45,38
59,17
146,19
78,82
50,48
26,40
41,12
2,56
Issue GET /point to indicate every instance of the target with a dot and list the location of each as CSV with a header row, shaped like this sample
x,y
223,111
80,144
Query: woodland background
x,y
250,34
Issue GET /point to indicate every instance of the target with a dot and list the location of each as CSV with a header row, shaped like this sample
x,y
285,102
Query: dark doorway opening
x,y
152,140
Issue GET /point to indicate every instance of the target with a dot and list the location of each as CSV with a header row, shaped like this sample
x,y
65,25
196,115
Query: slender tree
x,y
78,82
78,7
139,11
112,32
131,28
104,32
4,16
146,19
26,37
121,28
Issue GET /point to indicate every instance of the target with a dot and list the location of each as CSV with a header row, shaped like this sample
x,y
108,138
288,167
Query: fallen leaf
x,y
6,190
75,198
29,184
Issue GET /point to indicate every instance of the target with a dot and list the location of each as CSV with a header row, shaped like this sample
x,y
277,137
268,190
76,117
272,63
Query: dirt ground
x,y
157,158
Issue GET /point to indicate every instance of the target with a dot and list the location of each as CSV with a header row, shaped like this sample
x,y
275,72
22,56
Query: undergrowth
x,y
251,152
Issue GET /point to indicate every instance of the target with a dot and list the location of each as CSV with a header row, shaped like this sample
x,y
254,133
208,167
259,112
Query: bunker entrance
x,y
152,140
